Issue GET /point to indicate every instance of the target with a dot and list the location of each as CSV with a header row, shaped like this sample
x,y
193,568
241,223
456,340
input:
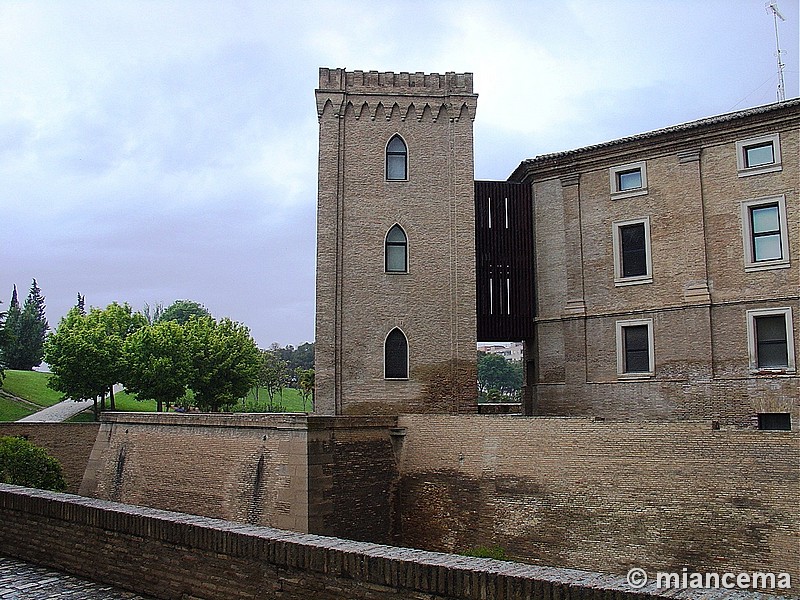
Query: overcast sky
x,y
154,151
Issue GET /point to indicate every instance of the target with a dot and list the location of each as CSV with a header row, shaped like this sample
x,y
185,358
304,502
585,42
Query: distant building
x,y
509,351
651,277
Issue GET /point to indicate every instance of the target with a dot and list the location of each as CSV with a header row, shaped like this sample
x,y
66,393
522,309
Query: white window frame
x,y
750,264
613,176
651,353
386,248
741,152
386,159
619,280
752,344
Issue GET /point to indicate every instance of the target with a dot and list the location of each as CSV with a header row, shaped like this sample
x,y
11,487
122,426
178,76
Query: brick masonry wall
x,y
70,443
329,475
700,291
602,496
176,556
358,303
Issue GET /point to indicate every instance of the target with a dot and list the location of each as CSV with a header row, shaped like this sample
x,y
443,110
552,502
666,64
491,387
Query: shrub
x,y
496,552
24,463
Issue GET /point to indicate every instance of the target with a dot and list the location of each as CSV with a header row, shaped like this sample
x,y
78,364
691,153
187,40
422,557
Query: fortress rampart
x,y
559,492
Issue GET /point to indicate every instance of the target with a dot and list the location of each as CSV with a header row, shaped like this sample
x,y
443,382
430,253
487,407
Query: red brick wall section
x,y
602,496
176,556
70,443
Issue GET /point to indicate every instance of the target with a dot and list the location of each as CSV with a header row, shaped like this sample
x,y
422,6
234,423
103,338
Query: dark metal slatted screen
x,y
504,261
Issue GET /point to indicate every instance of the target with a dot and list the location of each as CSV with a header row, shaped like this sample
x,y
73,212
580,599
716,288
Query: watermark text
x,y
686,579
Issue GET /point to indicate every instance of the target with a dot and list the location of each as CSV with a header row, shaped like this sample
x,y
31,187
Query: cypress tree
x,y
10,345
35,326
81,304
26,330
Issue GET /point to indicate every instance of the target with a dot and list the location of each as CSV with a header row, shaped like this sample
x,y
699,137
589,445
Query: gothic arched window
x,y
396,159
396,250
395,355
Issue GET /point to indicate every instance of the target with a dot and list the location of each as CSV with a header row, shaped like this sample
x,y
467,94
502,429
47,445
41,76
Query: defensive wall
x,y
560,492
70,443
177,556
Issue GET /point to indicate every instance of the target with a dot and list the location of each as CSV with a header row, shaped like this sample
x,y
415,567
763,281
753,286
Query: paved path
x,y
24,581
61,412
57,413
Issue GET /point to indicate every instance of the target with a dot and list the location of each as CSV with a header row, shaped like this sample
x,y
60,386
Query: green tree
x,y
181,311
224,362
273,374
75,354
9,348
24,463
86,352
117,322
496,373
305,383
158,365
31,331
302,356
2,343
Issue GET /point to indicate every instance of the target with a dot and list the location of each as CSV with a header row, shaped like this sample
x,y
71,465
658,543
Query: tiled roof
x,y
724,118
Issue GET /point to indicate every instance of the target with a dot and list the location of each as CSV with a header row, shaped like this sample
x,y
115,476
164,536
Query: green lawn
x,y
32,386
11,410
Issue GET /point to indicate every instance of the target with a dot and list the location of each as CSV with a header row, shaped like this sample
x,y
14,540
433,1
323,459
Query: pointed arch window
x,y
396,159
395,355
396,250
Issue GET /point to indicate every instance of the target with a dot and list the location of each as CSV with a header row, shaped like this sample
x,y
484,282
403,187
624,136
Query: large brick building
x,y
652,277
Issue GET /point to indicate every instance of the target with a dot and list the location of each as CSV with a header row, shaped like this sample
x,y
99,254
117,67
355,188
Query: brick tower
x,y
395,324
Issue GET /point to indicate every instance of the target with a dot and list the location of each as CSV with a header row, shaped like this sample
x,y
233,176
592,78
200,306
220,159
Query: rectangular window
x,y
628,180
765,234
770,340
632,263
766,231
635,349
775,421
758,155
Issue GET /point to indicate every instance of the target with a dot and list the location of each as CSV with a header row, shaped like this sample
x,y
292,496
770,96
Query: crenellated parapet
x,y
375,82
390,96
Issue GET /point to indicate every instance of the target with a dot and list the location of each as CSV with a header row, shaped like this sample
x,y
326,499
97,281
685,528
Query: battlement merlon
x,y
403,83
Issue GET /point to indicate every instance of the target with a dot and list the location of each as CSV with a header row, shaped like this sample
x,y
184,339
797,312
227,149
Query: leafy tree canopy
x,y
158,365
273,372
302,356
224,362
181,311
85,353
496,373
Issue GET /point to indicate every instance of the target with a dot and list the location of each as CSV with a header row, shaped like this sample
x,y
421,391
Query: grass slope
x,y
32,386
13,410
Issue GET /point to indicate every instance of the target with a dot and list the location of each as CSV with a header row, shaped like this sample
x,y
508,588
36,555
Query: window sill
x,y
621,282
765,372
760,170
395,378
628,193
767,266
634,376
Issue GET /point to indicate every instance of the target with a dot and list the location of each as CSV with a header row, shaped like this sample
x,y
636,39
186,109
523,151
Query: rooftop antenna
x,y
776,14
